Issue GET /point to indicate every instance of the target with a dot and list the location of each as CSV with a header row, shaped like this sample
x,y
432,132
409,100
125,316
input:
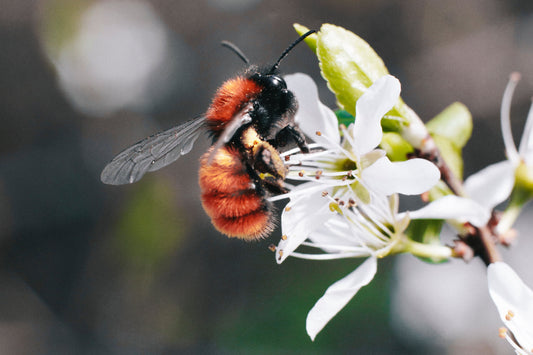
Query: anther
x,y
515,76
318,174
344,178
341,203
502,332
318,133
509,315
288,208
280,253
324,193
349,174
342,126
351,202
272,247
283,237
301,173
287,157
337,199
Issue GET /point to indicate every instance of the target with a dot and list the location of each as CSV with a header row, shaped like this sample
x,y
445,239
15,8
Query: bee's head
x,y
270,82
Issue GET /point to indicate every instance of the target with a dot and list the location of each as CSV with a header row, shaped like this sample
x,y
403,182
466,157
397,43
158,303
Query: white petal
x,y
312,115
338,295
410,177
497,178
302,215
336,235
509,293
505,119
370,108
453,207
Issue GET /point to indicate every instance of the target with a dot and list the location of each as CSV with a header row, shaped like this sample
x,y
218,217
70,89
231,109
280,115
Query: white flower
x,y
499,178
514,301
347,205
354,162
339,227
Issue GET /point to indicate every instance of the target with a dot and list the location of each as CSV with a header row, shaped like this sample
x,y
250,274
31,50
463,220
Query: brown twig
x,y
482,240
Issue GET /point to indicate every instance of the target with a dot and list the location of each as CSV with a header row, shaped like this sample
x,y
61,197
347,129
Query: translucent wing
x,y
241,118
152,153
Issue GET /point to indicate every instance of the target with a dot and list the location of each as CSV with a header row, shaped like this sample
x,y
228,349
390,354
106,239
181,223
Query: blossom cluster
x,y
344,194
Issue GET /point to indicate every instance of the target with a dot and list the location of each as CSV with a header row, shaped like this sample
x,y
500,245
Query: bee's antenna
x,y
289,48
235,50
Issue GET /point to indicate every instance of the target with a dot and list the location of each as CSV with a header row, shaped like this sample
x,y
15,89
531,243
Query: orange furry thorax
x,y
228,100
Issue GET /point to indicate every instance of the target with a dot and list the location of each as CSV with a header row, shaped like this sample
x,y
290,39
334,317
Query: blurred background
x,y
87,268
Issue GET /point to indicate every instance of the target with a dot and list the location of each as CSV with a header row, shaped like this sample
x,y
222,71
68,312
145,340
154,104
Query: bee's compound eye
x,y
270,81
277,82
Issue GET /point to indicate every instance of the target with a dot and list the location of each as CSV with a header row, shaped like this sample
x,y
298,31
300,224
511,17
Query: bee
x,y
250,117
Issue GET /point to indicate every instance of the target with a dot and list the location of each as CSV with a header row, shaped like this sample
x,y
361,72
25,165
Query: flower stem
x,y
432,251
431,152
508,218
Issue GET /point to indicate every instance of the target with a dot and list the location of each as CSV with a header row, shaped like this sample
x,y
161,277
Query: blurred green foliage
x,y
151,226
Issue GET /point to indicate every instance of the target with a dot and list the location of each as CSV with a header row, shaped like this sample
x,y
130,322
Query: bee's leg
x,y
267,168
290,132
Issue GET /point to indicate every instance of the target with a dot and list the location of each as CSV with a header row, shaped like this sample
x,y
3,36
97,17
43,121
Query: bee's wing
x,y
241,118
152,153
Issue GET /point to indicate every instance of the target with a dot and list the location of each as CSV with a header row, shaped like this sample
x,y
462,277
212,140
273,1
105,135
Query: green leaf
x,y
396,147
350,66
453,123
451,154
310,40
348,63
426,231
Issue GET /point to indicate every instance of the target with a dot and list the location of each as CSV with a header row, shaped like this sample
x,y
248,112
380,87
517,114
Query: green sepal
x,y
309,40
396,147
453,123
426,231
451,154
523,185
439,190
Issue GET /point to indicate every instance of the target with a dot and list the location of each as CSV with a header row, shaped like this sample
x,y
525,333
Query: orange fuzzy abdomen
x,y
228,100
230,198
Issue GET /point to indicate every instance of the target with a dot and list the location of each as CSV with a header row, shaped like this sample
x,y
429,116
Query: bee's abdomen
x,y
230,198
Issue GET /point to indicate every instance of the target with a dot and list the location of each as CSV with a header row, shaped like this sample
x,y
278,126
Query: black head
x,y
273,103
